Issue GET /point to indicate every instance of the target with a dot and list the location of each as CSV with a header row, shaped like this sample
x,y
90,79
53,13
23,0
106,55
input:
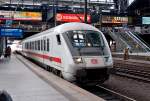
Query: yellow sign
x,y
20,15
28,15
114,19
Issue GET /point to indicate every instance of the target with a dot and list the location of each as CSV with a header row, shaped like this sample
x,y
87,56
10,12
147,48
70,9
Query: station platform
x,y
20,81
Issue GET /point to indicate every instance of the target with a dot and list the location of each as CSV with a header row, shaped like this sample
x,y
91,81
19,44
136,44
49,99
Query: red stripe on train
x,y
55,59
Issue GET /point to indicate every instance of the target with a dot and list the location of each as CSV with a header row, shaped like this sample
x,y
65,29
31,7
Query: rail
x,y
133,73
118,95
107,94
132,69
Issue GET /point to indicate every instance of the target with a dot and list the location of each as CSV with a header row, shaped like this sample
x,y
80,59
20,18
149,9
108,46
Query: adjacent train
x,y
75,51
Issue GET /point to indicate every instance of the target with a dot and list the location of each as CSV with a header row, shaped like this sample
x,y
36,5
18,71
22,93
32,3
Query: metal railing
x,y
130,41
120,42
135,43
126,39
140,41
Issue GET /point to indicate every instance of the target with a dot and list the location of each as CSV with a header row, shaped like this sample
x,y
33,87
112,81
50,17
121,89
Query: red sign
x,y
94,61
63,17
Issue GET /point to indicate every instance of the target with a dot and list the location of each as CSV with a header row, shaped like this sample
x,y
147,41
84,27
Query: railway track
x,y
139,70
133,73
107,94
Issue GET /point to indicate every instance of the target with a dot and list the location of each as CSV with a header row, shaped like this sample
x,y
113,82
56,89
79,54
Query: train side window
x,y
44,45
38,44
41,44
34,45
27,45
30,45
47,44
58,39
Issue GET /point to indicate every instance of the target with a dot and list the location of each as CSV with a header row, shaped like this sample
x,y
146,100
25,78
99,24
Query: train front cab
x,y
90,55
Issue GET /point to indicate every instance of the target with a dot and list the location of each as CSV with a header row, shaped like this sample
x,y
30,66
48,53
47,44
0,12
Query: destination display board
x,y
11,32
114,19
64,17
20,15
146,20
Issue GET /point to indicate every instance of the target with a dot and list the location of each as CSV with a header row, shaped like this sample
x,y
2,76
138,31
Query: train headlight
x,y
107,58
78,60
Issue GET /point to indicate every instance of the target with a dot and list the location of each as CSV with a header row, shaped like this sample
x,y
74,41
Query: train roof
x,y
66,27
74,26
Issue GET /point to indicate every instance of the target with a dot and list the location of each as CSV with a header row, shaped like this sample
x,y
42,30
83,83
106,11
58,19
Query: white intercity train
x,y
75,51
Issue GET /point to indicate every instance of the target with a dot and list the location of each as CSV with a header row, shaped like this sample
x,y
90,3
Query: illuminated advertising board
x,y
11,32
28,16
145,20
114,19
18,15
63,17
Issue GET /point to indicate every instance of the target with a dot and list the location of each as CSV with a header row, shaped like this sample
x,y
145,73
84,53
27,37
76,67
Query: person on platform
x,y
8,52
126,53
4,96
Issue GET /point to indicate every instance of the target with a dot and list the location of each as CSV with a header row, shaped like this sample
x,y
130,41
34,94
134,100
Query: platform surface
x,y
23,85
26,81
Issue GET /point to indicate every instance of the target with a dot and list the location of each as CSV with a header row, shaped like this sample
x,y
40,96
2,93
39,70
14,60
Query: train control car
x,y
75,51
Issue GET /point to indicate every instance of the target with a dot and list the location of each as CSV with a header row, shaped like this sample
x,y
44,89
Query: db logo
x,y
94,61
59,17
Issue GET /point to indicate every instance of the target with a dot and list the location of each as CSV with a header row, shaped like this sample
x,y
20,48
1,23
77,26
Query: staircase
x,y
126,38
120,43
142,45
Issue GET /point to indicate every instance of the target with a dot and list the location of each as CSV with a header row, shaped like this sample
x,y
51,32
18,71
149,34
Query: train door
x,y
58,55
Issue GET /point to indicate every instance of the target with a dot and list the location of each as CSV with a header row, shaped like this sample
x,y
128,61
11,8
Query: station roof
x,y
141,7
51,1
28,4
139,4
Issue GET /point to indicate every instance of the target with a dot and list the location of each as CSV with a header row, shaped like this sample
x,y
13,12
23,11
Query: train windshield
x,y
86,39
